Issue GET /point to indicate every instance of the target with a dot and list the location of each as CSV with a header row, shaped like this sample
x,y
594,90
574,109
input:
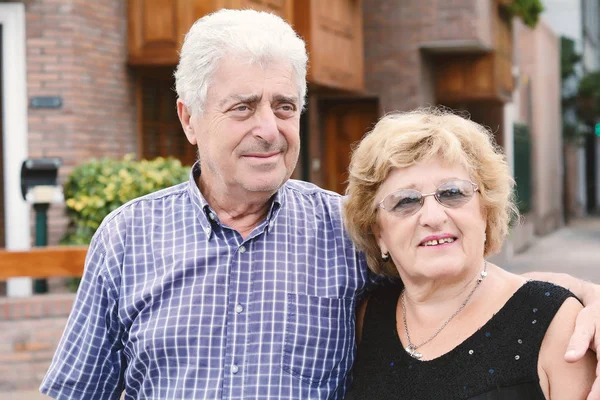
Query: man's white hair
x,y
252,35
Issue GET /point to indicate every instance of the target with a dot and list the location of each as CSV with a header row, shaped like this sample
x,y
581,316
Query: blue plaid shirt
x,y
175,305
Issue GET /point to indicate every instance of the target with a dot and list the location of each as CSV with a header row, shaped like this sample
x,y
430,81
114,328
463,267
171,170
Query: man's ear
x,y
185,117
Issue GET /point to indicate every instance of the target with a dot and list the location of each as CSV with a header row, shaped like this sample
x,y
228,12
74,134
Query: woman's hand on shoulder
x,y
560,379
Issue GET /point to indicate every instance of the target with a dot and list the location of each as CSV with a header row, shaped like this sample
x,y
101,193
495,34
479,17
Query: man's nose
x,y
266,127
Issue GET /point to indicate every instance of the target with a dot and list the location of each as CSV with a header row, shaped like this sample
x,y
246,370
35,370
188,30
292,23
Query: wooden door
x,y
344,123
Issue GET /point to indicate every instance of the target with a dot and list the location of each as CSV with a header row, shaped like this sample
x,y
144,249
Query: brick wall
x,y
30,329
395,67
76,49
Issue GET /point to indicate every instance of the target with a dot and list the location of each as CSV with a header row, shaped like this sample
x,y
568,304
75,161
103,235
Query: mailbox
x,y
38,180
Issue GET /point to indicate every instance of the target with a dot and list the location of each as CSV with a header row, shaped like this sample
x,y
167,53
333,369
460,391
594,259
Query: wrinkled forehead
x,y
239,77
425,175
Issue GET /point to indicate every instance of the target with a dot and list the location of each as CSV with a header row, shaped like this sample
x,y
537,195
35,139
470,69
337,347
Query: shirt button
x,y
235,369
242,249
207,230
239,308
211,216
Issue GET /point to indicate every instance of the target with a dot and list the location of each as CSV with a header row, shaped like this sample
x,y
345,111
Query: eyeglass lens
x,y
450,194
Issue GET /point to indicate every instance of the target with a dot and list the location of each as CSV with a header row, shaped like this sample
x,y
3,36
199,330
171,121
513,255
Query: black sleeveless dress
x,y
498,362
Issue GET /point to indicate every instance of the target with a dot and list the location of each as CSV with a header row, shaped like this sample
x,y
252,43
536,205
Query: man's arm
x,y
88,362
587,292
587,328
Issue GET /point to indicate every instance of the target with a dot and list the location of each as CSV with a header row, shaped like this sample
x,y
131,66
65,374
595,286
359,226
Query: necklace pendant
x,y
413,352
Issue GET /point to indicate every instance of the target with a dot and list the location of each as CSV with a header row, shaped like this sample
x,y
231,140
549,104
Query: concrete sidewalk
x,y
574,249
24,395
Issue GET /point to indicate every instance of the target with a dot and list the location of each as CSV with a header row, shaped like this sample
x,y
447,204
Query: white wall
x,y
14,118
591,35
564,16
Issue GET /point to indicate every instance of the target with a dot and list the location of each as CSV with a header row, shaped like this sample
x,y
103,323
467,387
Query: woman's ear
x,y
377,234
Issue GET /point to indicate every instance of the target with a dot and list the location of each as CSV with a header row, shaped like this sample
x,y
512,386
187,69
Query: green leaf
x,y
96,188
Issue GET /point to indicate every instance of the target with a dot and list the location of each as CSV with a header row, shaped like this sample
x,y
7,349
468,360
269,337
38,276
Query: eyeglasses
x,y
406,202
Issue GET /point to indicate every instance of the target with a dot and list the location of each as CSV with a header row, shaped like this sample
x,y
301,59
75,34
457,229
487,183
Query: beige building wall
x,y
538,59
575,196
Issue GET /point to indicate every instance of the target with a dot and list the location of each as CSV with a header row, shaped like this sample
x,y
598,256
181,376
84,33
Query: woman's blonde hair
x,y
400,140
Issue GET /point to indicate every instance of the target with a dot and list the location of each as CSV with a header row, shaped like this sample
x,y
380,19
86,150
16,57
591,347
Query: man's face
x,y
248,135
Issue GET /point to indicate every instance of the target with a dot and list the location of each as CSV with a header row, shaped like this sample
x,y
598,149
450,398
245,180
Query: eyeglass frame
x,y
423,196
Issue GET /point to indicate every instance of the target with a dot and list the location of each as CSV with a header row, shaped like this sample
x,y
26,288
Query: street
x,y
574,249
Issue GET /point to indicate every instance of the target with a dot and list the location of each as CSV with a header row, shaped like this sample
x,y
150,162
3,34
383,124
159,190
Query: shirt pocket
x,y
319,338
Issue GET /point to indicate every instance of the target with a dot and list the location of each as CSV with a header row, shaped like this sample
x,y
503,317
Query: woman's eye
x,y
452,192
406,201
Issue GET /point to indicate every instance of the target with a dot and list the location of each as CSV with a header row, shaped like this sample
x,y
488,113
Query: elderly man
x,y
240,283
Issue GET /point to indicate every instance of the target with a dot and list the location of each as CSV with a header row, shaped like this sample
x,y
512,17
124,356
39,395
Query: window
x,y
160,131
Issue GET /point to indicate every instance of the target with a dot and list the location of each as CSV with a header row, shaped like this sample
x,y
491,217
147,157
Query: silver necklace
x,y
411,349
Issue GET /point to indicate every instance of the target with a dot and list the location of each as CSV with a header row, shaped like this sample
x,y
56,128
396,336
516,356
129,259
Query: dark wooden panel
x,y
470,77
160,132
345,122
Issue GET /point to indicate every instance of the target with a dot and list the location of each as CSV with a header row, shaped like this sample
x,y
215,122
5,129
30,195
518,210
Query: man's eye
x,y
286,109
241,108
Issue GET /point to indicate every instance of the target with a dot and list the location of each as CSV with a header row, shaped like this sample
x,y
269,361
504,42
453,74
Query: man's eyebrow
x,y
240,98
280,98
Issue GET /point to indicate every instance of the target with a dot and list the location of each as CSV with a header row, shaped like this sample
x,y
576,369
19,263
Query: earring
x,y
385,257
484,238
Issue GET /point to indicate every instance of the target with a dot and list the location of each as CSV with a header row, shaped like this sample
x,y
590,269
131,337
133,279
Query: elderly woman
x,y
429,197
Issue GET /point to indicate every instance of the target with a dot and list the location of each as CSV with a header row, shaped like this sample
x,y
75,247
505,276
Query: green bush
x,y
589,85
98,187
528,10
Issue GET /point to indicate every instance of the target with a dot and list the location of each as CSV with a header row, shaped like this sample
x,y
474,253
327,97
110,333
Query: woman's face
x,y
436,242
